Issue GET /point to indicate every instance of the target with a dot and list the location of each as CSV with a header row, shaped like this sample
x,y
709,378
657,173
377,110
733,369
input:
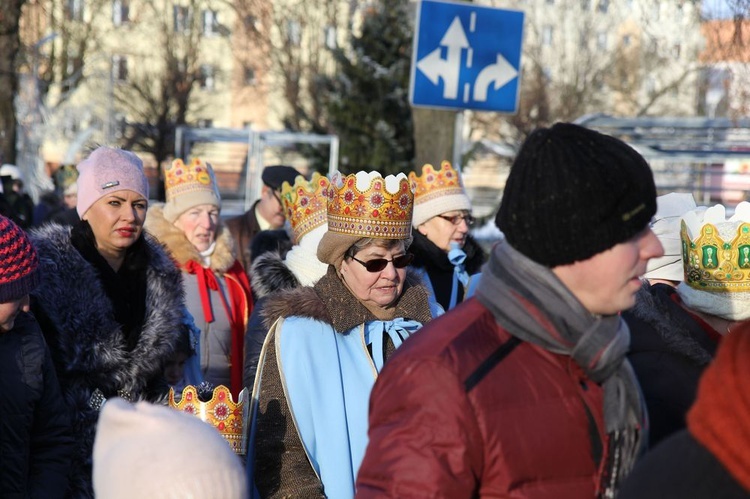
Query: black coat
x,y
668,351
680,468
90,348
439,269
268,275
35,439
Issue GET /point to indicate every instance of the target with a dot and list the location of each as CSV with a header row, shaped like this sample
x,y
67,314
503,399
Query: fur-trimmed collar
x,y
89,341
330,302
654,306
181,249
269,274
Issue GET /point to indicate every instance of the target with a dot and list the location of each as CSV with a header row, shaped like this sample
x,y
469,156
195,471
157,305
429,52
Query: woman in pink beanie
x,y
110,302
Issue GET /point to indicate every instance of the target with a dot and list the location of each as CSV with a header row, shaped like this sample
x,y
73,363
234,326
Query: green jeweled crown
x,y
714,264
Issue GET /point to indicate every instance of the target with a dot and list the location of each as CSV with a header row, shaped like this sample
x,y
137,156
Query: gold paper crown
x,y
194,177
373,212
712,264
435,184
305,203
221,412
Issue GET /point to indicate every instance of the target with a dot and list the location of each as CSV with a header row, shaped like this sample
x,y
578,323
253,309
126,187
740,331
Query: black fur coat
x,y
88,346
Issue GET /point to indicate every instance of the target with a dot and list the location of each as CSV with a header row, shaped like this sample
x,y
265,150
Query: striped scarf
x,y
532,304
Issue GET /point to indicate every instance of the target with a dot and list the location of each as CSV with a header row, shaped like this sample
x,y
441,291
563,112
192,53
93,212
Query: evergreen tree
x,y
368,103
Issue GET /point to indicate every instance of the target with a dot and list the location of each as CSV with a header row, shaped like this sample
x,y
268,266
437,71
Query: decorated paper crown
x,y
437,192
716,251
189,185
305,203
193,177
221,412
367,205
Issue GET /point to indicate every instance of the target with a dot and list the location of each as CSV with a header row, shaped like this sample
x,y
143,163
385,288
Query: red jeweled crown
x,y
221,412
305,203
368,205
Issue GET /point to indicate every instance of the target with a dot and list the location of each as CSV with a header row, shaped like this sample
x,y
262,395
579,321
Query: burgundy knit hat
x,y
19,262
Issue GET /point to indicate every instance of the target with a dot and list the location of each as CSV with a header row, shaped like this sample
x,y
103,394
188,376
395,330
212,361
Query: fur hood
x,y
269,274
181,249
330,302
654,307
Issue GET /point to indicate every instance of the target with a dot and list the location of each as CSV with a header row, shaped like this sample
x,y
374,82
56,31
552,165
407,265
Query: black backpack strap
x,y
490,362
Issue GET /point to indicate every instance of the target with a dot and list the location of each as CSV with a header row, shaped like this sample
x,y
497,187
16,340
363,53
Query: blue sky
x,y
717,8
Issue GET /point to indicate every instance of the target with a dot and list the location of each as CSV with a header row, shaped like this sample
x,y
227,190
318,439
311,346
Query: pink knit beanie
x,y
145,450
109,170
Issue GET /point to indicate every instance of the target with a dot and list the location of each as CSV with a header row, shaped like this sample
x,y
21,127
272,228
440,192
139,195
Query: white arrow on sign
x,y
500,73
435,67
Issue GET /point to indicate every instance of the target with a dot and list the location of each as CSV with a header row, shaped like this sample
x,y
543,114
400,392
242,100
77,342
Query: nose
x,y
24,305
389,272
463,226
651,246
205,220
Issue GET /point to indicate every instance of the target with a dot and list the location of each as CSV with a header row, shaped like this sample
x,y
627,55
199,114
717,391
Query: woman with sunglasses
x,y
444,252
327,343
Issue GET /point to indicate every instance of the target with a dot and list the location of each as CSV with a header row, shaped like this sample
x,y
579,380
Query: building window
x,y
249,76
207,81
601,40
210,23
119,68
120,12
182,19
205,123
74,10
330,37
626,40
583,40
547,72
247,124
603,6
547,32
294,32
550,2
585,5
677,50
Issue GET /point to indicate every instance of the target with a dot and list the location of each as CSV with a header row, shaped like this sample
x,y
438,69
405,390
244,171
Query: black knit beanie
x,y
572,193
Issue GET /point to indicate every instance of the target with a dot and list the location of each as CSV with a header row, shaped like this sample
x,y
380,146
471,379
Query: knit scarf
x,y
531,303
719,419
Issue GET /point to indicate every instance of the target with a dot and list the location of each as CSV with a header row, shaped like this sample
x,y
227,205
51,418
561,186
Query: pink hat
x,y
109,170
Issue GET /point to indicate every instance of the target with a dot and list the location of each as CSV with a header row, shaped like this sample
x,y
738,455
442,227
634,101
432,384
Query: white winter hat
x,y
145,450
666,225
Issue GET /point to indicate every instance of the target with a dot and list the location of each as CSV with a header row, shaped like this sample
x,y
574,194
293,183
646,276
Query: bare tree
x,y
589,56
10,13
158,94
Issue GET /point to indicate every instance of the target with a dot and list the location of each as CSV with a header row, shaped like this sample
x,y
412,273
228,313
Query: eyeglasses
x,y
456,219
277,196
378,264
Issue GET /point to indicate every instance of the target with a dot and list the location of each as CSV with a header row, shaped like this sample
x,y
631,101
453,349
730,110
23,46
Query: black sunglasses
x,y
378,264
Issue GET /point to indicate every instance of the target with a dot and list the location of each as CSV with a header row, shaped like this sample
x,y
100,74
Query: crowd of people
x,y
596,350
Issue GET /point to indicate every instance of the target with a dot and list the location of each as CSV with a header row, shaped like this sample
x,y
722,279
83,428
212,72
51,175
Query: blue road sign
x,y
466,56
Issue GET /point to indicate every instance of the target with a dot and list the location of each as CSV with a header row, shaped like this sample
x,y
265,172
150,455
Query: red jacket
x,y
459,411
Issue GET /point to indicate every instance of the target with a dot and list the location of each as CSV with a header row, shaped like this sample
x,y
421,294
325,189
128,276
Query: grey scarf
x,y
518,291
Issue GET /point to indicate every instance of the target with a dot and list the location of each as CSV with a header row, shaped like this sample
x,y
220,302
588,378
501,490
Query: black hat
x,y
274,176
572,193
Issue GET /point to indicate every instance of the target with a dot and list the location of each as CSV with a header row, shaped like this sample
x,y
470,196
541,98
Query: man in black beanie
x,y
525,391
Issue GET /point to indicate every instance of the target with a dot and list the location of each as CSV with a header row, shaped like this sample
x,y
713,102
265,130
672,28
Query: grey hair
x,y
365,242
